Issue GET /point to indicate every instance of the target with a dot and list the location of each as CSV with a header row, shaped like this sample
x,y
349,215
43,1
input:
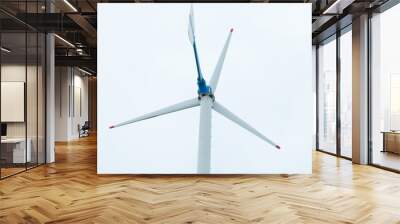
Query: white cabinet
x,y
19,155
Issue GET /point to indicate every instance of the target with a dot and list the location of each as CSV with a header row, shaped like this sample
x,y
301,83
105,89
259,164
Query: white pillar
x,y
360,90
314,86
50,92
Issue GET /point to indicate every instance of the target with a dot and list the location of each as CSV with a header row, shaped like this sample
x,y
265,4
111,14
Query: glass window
x,y
385,87
327,97
346,94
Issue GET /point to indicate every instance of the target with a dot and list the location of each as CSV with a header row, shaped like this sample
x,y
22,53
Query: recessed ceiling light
x,y
70,5
65,41
5,50
84,71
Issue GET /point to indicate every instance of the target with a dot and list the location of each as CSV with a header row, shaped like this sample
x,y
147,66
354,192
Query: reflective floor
x,y
387,159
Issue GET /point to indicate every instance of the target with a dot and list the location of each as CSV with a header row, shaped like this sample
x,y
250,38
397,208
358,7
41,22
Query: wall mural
x,y
186,137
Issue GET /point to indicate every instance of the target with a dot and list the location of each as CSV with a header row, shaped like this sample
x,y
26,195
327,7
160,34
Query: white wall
x,y
33,128
62,81
12,73
79,117
69,82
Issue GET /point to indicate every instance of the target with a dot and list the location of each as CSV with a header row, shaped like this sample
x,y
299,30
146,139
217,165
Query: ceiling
x,y
75,22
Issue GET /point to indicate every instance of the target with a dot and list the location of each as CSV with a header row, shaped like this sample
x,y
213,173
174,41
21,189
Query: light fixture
x,y
84,71
70,5
5,50
65,41
80,51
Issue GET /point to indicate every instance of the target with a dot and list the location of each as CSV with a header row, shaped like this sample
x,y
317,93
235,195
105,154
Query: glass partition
x,y
14,153
346,94
22,100
385,89
327,96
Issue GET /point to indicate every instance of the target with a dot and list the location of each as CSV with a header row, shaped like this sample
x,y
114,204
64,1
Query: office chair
x,y
84,130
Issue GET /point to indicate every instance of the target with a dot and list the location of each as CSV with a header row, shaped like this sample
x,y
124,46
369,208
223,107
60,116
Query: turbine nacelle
x,y
203,88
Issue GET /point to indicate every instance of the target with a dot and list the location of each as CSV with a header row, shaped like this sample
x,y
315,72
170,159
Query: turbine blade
x,y
170,109
191,25
218,68
204,153
226,113
193,42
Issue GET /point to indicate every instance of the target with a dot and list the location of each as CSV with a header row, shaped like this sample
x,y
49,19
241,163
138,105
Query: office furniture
x,y
13,150
84,130
391,141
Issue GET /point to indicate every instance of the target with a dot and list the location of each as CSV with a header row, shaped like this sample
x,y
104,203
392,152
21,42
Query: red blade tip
x,y
112,126
278,147
231,30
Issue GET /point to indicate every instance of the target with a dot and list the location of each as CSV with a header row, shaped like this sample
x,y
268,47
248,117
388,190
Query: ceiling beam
x,y
337,6
86,26
83,61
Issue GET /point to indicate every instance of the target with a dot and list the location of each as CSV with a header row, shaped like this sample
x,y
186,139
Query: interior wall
x,y
92,87
71,102
16,72
80,102
61,103
120,101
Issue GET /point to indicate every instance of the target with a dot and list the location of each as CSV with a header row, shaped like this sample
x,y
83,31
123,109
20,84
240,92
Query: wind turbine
x,y
206,101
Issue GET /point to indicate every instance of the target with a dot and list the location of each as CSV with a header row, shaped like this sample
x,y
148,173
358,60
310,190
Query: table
x,y
391,141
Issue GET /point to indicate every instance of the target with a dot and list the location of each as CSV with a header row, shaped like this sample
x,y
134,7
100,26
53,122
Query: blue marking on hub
x,y
203,89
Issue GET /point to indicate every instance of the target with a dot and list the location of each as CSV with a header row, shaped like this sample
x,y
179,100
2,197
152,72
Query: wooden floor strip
x,y
70,191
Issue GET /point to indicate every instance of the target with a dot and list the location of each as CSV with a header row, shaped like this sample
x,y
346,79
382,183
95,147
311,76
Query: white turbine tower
x,y
206,101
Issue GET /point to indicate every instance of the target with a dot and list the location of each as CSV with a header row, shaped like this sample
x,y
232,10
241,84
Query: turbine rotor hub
x,y
209,94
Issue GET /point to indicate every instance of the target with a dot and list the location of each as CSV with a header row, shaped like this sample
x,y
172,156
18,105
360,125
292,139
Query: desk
x,y
391,141
15,148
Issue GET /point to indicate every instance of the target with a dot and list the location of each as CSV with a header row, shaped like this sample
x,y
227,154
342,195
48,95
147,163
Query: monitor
x,y
3,129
